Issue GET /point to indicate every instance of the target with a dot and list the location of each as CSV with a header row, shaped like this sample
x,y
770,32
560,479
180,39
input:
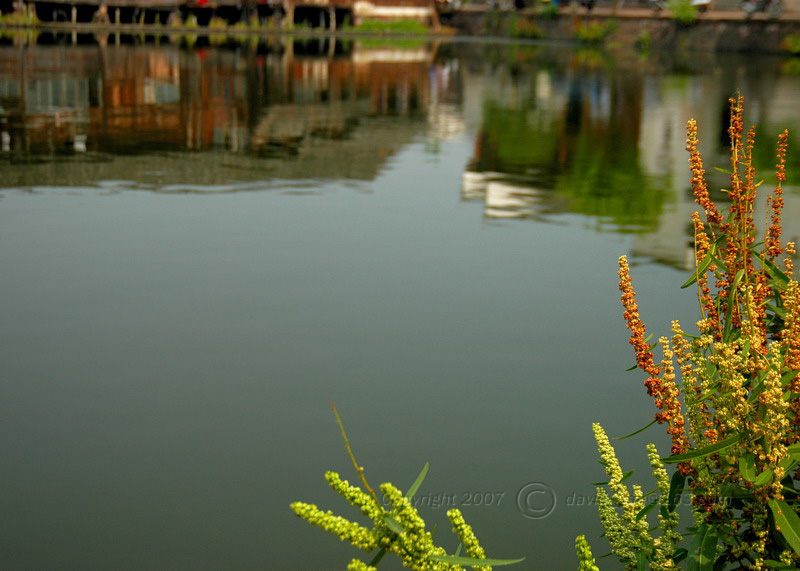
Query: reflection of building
x,y
503,198
45,106
273,116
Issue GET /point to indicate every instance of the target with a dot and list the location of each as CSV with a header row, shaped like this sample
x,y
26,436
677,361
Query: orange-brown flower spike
x,y
772,241
701,247
749,195
670,405
644,357
788,264
735,130
698,180
791,334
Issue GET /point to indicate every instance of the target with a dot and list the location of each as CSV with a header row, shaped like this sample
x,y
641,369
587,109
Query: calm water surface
x,y
203,248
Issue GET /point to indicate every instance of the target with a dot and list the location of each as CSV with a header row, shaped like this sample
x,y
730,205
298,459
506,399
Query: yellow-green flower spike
x,y
586,561
464,531
342,528
357,565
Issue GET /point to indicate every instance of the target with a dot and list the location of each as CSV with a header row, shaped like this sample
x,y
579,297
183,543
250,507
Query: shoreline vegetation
x,y
727,392
640,30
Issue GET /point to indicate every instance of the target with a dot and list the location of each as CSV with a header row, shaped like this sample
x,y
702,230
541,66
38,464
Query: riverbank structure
x,y
327,14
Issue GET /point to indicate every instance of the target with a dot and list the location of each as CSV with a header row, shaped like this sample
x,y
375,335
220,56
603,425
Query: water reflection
x,y
309,117
553,131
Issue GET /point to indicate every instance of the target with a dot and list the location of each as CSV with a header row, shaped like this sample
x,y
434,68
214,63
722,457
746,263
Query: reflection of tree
x,y
604,179
512,143
579,144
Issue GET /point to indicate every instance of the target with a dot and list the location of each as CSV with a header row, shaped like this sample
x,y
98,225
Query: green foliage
x,y
736,429
594,32
549,10
191,21
216,23
524,28
791,44
608,182
644,41
507,133
413,27
400,43
26,17
683,12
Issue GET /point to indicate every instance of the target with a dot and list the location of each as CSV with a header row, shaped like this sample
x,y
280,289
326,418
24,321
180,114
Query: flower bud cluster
x,y
358,565
464,531
586,561
624,529
344,529
356,496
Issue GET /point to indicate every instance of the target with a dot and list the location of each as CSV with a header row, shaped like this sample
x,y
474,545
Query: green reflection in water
x,y
513,144
593,167
607,181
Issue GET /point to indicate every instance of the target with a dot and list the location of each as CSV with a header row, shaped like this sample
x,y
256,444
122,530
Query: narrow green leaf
x,y
747,466
641,560
703,550
721,562
719,263
786,377
700,270
794,451
774,271
732,491
725,171
418,482
635,433
779,311
680,554
471,561
705,451
772,564
676,486
458,550
757,389
788,464
378,557
786,522
729,310
764,477
393,524
645,510
632,368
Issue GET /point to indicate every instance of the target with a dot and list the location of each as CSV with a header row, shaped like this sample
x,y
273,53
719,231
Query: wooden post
x,y
288,9
74,14
101,16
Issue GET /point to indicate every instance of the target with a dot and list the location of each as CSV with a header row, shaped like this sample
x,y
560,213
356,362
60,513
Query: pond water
x,y
203,248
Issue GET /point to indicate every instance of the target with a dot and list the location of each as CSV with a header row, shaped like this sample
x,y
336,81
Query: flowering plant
x,y
736,431
400,530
